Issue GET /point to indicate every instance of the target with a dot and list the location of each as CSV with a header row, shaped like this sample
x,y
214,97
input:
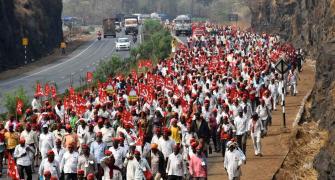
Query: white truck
x,y
131,24
183,25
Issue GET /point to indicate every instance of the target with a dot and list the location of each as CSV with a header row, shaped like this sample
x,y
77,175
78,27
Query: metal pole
x,y
283,107
25,55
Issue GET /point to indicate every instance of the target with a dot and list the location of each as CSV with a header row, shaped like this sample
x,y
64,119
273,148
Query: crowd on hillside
x,y
210,95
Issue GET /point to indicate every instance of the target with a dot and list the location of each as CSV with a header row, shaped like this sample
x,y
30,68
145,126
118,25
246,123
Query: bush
x,y
11,100
157,41
110,68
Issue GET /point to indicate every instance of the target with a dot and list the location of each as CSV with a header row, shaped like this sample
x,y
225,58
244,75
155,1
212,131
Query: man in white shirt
x,y
35,104
59,108
50,164
58,151
117,153
108,133
233,161
31,140
165,144
69,163
174,167
130,162
255,128
263,114
47,141
241,124
23,159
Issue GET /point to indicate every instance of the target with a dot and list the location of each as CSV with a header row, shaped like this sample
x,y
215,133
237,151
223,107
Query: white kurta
x,y
47,142
232,161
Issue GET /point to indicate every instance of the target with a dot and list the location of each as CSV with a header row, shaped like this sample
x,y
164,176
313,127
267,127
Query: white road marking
x,y
46,69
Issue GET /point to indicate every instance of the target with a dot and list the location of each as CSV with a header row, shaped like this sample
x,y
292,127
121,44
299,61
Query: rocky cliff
x,y
39,20
309,24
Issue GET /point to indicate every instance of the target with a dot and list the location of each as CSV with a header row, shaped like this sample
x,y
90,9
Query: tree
x,y
11,100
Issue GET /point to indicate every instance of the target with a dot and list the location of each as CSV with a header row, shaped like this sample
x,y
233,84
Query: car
x,y
122,44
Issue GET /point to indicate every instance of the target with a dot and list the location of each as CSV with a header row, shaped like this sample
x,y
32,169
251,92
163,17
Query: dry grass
x,y
306,142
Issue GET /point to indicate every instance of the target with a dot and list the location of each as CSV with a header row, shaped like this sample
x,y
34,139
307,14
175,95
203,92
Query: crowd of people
x,y
210,95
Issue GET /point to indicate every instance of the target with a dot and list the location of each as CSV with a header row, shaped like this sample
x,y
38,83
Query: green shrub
x,y
10,100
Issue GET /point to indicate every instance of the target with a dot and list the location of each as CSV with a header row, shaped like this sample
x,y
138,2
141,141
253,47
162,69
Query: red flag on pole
x,y
89,77
46,89
53,92
38,90
19,106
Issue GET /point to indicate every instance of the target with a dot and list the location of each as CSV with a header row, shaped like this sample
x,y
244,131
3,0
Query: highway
x,y
67,70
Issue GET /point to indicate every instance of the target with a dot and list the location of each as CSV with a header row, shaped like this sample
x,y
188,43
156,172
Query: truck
x,y
131,24
108,26
183,25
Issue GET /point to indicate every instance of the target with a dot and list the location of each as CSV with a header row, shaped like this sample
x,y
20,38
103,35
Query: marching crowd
x,y
210,95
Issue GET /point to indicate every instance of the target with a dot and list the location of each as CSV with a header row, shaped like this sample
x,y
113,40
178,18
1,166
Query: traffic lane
x,y
182,38
62,74
71,69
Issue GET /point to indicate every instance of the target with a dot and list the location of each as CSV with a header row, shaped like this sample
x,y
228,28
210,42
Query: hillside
x,y
39,20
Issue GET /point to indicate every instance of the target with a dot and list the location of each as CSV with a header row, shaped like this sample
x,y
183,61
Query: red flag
x,y
126,116
139,140
89,77
38,90
53,92
151,79
12,169
71,92
134,74
188,83
148,63
46,89
159,81
169,83
19,106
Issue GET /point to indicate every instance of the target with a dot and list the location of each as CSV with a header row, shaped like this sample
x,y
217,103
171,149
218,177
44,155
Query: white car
x,y
122,44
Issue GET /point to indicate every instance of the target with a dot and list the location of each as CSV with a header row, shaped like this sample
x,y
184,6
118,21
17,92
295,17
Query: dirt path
x,y
56,55
275,145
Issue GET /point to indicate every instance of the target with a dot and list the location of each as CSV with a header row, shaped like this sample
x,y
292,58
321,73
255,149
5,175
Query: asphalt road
x,y
69,70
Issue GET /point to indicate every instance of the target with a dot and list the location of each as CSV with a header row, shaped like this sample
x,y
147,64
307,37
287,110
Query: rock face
x,y
309,24
39,20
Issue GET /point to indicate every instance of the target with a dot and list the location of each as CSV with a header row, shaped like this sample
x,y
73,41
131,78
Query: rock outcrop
x,y
39,20
309,24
